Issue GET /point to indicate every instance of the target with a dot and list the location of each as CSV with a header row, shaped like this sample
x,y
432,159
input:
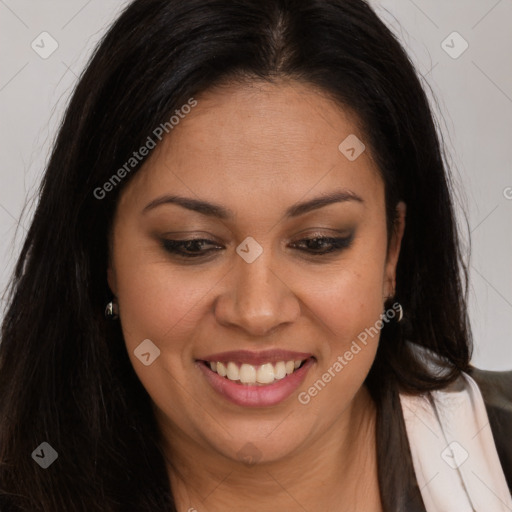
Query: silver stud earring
x,y
400,312
397,308
112,311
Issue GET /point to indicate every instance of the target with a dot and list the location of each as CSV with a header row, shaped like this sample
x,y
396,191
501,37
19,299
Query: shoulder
x,y
496,389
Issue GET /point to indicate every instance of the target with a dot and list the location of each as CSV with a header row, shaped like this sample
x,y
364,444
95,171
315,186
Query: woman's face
x,y
258,295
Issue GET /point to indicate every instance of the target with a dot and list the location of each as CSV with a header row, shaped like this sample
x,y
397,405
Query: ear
x,y
394,250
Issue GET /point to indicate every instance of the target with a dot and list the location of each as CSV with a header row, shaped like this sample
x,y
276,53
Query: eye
x,y
193,246
320,245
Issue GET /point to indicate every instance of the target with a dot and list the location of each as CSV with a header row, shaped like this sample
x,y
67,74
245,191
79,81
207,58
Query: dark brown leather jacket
x,y
496,389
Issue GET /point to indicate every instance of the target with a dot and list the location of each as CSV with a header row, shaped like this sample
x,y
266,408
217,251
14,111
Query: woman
x,y
254,196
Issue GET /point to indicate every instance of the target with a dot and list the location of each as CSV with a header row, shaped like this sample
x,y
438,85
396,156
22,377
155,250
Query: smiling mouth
x,y
255,375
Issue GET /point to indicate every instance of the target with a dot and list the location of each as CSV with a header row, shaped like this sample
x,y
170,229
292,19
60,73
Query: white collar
x,y
453,451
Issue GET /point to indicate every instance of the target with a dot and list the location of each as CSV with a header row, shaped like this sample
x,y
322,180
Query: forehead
x,y
242,141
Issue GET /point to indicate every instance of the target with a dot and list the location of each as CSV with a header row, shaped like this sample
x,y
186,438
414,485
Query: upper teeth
x,y
249,374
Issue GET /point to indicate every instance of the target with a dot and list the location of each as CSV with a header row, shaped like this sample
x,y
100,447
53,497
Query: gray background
x,y
473,105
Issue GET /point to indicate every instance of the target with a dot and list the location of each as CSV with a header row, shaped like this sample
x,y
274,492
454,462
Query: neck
x,y
336,470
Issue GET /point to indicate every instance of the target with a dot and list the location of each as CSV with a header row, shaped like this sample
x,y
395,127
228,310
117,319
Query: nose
x,y
256,298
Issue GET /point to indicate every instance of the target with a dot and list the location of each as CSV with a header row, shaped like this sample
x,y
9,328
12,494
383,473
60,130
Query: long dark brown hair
x,y
65,376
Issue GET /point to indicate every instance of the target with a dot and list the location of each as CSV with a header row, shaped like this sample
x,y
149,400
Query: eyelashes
x,y
335,244
177,247
313,246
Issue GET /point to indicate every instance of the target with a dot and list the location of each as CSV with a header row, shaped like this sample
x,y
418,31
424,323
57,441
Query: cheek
x,y
349,315
164,304
348,300
348,306
351,299
159,301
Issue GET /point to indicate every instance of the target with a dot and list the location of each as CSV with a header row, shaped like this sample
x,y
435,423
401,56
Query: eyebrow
x,y
221,212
